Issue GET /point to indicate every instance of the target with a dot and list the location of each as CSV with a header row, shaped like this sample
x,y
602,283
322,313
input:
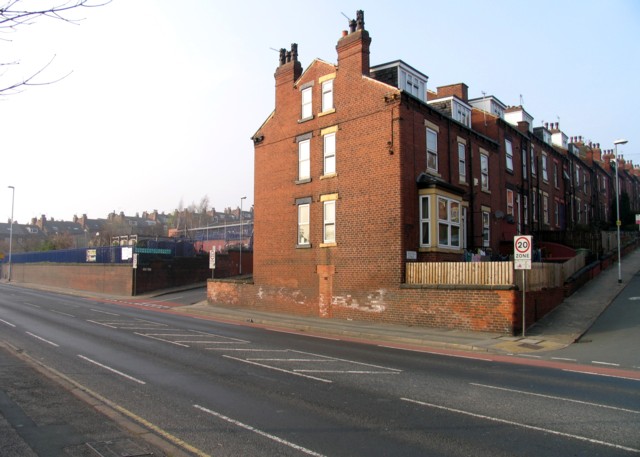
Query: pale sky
x,y
163,96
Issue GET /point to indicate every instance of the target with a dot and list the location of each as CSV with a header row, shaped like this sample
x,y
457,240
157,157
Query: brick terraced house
x,y
360,169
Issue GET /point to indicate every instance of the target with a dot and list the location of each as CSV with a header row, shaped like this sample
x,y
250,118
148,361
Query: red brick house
x,y
360,170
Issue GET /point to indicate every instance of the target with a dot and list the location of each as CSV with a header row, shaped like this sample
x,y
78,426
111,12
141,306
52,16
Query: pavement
x,y
60,427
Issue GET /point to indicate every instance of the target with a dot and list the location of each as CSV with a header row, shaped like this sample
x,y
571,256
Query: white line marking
x,y
345,360
64,314
555,398
605,363
113,370
302,334
276,369
530,356
104,312
601,374
42,339
101,323
259,432
518,424
8,323
31,304
443,354
564,358
160,339
247,350
346,371
261,359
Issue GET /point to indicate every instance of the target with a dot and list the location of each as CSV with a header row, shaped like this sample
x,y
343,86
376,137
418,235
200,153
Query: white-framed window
x,y
577,177
586,213
524,163
545,208
525,210
534,203
462,162
518,214
578,210
556,214
533,162
486,228
484,172
329,223
556,183
307,106
545,175
329,153
304,160
448,223
327,95
508,151
585,183
303,225
510,202
432,150
425,220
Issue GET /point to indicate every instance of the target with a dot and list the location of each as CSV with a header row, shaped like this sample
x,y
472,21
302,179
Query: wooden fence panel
x,y
541,275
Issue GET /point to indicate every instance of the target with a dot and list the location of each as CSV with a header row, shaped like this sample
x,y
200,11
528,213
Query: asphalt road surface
x,y
219,389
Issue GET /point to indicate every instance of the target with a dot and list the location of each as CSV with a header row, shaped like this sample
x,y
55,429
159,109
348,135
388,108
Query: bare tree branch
x,y
16,13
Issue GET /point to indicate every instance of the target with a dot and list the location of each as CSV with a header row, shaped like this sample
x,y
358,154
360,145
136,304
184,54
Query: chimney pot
x,y
345,33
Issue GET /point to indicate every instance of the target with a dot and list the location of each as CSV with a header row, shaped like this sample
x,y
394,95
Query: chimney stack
x,y
353,49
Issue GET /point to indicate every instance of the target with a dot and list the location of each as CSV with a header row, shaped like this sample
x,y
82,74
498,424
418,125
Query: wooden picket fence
x,y
541,275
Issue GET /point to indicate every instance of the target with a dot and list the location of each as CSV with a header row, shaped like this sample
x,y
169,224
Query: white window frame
x,y
556,214
304,224
306,96
545,208
432,150
533,162
486,228
525,210
510,202
462,162
304,160
508,153
329,151
556,183
484,172
524,163
425,220
327,95
329,221
450,224
545,174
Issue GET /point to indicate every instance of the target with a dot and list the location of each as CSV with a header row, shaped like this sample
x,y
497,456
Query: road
x,y
221,389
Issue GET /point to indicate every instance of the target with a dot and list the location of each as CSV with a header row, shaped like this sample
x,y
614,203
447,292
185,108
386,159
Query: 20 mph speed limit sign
x,y
522,252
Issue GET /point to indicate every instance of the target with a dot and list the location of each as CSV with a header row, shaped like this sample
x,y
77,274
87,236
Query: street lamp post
x,y
13,194
240,263
618,223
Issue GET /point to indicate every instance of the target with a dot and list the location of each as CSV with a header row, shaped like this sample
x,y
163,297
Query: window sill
x,y
324,113
486,191
328,245
330,175
300,121
303,246
303,181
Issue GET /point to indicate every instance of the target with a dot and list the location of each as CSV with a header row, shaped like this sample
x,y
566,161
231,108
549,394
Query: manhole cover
x,y
119,448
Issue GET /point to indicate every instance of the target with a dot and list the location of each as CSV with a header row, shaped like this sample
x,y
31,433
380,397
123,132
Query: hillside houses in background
x,y
48,233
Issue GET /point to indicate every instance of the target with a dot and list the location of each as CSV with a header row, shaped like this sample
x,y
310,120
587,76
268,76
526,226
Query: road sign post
x,y
522,261
212,261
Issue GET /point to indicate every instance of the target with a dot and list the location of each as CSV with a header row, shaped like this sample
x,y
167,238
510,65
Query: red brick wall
x,y
101,278
487,309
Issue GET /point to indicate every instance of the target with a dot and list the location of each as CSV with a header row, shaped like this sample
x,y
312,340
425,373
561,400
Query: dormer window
x,y
461,113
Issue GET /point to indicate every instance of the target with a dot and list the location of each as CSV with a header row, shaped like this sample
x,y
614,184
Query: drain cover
x,y
119,448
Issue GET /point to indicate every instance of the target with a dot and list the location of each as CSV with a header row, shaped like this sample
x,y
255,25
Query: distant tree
x,y
15,14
